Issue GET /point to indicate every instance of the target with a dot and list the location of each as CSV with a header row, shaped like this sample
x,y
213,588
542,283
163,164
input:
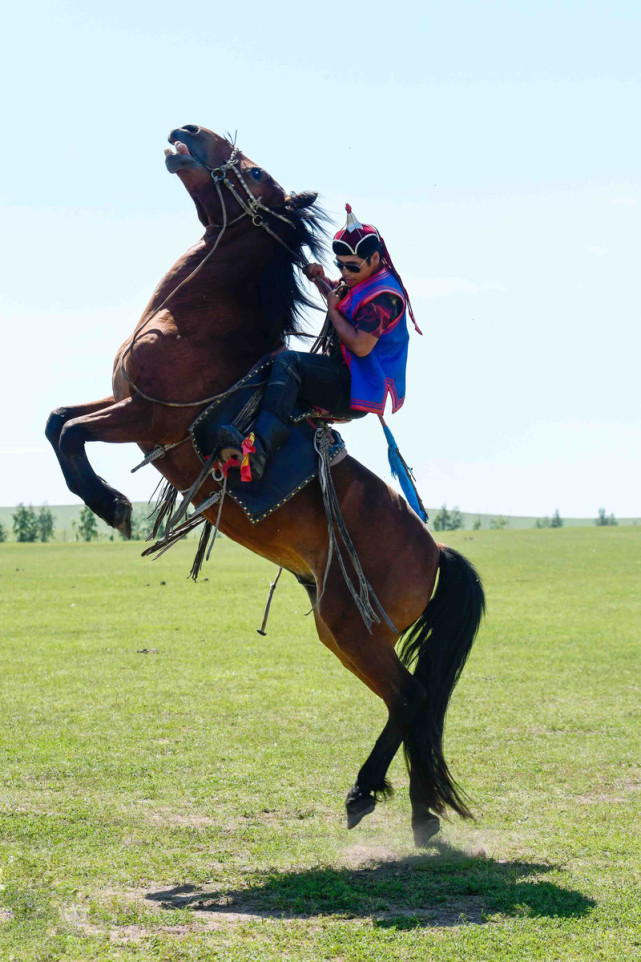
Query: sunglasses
x,y
352,268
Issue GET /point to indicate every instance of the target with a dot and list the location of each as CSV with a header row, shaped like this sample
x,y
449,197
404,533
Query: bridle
x,y
251,207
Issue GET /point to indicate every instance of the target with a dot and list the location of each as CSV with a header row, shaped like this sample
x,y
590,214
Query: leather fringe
x,y
164,506
365,597
201,550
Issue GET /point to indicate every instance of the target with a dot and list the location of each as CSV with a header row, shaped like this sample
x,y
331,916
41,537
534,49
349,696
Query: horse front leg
x,y
59,417
55,424
69,429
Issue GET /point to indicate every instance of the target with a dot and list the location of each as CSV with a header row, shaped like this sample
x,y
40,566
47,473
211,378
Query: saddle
x,y
312,449
289,470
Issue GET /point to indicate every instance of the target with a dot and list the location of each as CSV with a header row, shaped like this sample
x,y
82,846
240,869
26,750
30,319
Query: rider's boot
x,y
270,434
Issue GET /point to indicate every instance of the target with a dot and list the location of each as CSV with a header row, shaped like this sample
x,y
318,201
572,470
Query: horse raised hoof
x,y
358,805
425,830
122,518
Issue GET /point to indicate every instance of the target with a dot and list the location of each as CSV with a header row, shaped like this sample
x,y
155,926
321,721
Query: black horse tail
x,y
438,644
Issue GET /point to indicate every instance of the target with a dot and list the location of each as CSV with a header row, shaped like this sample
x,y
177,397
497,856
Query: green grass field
x,y
173,783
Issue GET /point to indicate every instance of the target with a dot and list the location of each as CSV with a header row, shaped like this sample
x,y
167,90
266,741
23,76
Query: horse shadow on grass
x,y
446,887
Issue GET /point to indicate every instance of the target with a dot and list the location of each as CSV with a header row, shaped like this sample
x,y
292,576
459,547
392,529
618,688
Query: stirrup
x,y
230,443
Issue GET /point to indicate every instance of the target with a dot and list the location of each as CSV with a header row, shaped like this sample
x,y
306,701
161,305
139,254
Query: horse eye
x,y
256,173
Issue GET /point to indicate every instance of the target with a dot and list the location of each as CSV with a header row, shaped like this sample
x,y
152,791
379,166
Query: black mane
x,y
282,295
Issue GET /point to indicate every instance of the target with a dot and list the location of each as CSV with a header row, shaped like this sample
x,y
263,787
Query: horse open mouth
x,y
180,157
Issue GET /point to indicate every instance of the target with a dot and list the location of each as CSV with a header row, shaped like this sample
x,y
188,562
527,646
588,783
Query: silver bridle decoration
x,y
252,206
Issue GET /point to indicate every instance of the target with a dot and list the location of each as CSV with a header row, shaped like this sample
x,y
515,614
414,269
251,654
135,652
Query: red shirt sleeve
x,y
376,316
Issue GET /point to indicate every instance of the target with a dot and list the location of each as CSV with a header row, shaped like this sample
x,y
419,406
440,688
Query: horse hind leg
x,y
372,659
372,785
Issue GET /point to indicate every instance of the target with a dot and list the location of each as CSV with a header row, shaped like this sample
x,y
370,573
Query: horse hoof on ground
x,y
358,805
122,519
425,830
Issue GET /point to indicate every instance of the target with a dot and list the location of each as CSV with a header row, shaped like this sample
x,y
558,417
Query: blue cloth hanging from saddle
x,y
403,474
287,472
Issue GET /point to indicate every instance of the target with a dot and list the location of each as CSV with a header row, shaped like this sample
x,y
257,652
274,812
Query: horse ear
x,y
305,199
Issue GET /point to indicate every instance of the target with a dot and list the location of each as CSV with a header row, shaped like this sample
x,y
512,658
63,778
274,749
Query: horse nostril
x,y
191,128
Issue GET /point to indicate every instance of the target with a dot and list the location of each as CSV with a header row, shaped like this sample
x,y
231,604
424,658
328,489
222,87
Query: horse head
x,y
204,161
226,185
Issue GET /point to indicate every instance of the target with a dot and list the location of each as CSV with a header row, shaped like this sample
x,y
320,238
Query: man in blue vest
x,y
368,309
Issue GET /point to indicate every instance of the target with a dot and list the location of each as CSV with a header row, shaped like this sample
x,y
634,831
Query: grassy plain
x,y
172,783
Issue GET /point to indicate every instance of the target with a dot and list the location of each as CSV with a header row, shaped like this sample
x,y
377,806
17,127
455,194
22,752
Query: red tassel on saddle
x,y
247,449
226,466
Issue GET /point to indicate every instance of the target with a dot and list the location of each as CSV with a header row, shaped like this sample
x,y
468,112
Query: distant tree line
x,y
556,521
86,527
499,523
448,520
29,525
605,520
494,524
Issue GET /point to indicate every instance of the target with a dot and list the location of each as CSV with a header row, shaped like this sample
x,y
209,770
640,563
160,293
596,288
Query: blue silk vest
x,y
382,371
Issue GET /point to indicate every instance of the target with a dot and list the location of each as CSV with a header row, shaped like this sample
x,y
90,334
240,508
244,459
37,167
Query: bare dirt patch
x,y
213,909
631,783
360,856
184,819
468,911
138,933
599,799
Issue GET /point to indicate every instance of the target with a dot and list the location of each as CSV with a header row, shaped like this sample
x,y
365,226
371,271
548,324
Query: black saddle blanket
x,y
287,472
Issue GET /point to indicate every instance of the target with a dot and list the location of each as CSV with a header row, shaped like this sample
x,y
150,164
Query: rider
x,y
367,309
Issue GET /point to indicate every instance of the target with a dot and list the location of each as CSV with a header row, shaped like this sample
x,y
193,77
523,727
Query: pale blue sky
x,y
495,145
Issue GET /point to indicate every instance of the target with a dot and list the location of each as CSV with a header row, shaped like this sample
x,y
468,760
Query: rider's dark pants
x,y
315,379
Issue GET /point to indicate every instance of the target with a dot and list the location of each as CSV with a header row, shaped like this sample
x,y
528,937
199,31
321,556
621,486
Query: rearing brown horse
x,y
194,340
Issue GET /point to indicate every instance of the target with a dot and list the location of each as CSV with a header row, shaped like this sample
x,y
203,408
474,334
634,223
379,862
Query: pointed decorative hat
x,y
355,238
361,240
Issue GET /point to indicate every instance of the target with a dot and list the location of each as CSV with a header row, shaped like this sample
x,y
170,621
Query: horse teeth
x,y
168,152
